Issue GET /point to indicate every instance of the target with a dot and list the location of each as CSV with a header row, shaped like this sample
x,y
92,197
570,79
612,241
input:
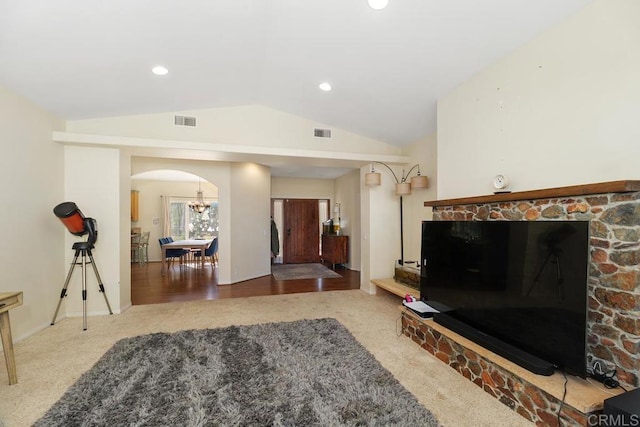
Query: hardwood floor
x,y
187,283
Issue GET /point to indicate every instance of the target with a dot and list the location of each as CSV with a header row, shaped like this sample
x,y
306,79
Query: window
x,y
187,224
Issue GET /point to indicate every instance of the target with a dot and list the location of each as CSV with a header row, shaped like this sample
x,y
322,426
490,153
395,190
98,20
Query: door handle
x,y
289,231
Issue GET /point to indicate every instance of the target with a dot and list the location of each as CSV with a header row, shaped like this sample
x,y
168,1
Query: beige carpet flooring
x,y
53,359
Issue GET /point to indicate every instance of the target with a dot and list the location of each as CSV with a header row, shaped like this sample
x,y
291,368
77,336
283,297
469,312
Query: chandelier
x,y
200,205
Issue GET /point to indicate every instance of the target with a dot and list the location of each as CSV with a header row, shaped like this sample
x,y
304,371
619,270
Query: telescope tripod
x,y
553,257
84,249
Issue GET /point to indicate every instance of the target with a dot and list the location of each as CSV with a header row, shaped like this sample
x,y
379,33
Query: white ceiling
x,y
92,58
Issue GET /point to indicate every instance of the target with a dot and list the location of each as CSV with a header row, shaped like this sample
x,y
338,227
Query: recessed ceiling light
x,y
378,4
325,86
159,70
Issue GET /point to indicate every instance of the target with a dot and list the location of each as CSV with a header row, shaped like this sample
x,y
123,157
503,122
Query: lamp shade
x,y
372,178
419,181
403,188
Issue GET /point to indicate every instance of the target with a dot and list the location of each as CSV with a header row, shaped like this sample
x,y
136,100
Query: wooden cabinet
x,y
335,249
134,204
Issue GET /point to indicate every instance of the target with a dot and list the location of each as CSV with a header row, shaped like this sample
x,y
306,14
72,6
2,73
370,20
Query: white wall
x,y
251,221
347,193
252,125
302,188
33,169
365,234
562,110
380,219
124,215
424,153
92,182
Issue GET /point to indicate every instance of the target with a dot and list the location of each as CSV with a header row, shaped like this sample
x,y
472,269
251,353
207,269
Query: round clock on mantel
x,y
500,183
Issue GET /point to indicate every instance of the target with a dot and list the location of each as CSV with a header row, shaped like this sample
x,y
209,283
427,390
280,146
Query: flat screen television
x,y
518,288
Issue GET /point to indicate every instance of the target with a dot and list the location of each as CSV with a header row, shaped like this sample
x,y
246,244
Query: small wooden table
x,y
8,300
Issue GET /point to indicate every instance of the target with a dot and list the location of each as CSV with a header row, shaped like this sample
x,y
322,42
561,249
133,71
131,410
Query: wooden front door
x,y
301,231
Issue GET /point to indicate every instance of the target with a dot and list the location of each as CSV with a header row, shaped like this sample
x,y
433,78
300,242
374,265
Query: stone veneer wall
x,y
523,397
613,325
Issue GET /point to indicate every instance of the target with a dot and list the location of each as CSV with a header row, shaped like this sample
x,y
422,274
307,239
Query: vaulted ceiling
x,y
93,58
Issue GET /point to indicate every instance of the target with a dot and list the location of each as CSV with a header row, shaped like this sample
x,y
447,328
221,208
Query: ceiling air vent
x,y
185,121
322,133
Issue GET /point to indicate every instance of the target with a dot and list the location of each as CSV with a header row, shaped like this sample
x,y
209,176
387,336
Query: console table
x,y
8,300
335,248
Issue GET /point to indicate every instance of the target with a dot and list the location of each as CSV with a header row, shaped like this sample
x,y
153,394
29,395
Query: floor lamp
x,y
403,188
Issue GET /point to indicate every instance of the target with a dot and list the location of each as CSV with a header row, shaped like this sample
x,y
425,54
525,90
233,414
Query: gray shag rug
x,y
302,373
302,271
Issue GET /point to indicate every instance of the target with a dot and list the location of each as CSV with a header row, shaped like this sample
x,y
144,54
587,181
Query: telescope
x,y
79,225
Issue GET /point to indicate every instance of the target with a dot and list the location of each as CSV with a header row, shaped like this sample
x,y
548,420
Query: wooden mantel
x,y
574,190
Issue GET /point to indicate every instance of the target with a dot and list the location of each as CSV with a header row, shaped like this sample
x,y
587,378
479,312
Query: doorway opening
x,y
299,229
173,203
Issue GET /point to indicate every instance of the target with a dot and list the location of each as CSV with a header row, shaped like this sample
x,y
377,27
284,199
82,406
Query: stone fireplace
x,y
613,209
613,312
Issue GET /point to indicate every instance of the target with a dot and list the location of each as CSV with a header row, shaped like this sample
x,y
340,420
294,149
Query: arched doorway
x,y
168,206
163,207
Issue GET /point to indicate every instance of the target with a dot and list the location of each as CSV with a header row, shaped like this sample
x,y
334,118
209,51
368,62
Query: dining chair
x,y
211,252
135,248
172,253
143,248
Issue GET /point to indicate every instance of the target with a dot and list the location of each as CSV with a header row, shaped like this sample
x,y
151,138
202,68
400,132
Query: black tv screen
x,y
517,287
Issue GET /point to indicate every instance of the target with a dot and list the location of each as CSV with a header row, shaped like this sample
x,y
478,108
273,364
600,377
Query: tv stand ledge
x,y
395,288
532,396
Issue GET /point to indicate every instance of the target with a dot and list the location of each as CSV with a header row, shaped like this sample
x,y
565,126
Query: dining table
x,y
193,244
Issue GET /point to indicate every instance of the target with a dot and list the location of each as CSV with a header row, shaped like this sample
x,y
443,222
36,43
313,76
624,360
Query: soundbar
x,y
514,354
